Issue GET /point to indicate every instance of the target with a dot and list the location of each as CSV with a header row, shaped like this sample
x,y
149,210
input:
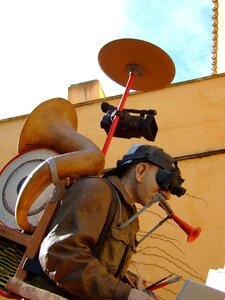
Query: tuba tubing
x,y
78,155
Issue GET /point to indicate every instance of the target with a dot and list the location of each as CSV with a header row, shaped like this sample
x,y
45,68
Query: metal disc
x,y
156,66
12,177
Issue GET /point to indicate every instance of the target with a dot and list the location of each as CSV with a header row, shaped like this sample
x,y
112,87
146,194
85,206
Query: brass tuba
x,y
53,125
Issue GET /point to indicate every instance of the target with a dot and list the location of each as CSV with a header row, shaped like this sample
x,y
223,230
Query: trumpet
x,y
192,232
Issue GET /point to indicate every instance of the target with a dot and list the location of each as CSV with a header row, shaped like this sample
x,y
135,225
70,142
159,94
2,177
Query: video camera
x,y
130,126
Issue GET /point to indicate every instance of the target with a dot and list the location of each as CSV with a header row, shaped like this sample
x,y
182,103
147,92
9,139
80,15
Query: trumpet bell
x,y
191,232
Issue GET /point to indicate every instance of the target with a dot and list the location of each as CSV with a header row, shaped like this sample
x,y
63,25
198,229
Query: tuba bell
x,y
53,125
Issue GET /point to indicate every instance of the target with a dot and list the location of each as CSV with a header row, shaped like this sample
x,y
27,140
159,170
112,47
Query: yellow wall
x,y
191,127
9,134
191,121
85,91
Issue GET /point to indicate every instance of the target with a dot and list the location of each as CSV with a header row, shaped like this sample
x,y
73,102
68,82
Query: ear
x,y
141,170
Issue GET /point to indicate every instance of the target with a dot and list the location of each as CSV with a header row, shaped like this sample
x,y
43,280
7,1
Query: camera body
x,y
129,125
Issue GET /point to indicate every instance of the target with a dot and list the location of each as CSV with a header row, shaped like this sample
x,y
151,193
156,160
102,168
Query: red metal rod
x,y
120,108
162,284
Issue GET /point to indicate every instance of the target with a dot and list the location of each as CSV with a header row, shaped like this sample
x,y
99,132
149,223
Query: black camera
x,y
170,180
129,125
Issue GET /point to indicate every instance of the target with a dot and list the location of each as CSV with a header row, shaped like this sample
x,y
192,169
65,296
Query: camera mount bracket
x,y
144,61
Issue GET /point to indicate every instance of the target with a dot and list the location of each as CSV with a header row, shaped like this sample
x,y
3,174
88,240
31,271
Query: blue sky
x,y
47,45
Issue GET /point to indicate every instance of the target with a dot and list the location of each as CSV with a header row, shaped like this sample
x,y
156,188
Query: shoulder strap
x,y
109,220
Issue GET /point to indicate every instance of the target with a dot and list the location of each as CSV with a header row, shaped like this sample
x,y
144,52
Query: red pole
x,y
120,108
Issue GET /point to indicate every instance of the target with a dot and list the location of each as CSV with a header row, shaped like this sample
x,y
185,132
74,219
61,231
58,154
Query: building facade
x,y
190,117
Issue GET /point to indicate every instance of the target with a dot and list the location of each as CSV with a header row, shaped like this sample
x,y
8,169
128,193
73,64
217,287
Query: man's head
x,y
167,173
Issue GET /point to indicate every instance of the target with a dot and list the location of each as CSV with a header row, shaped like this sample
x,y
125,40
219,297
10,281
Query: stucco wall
x,y
191,122
167,251
9,135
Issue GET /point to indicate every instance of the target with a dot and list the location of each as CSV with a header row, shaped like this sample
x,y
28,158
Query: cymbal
x,y
155,66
